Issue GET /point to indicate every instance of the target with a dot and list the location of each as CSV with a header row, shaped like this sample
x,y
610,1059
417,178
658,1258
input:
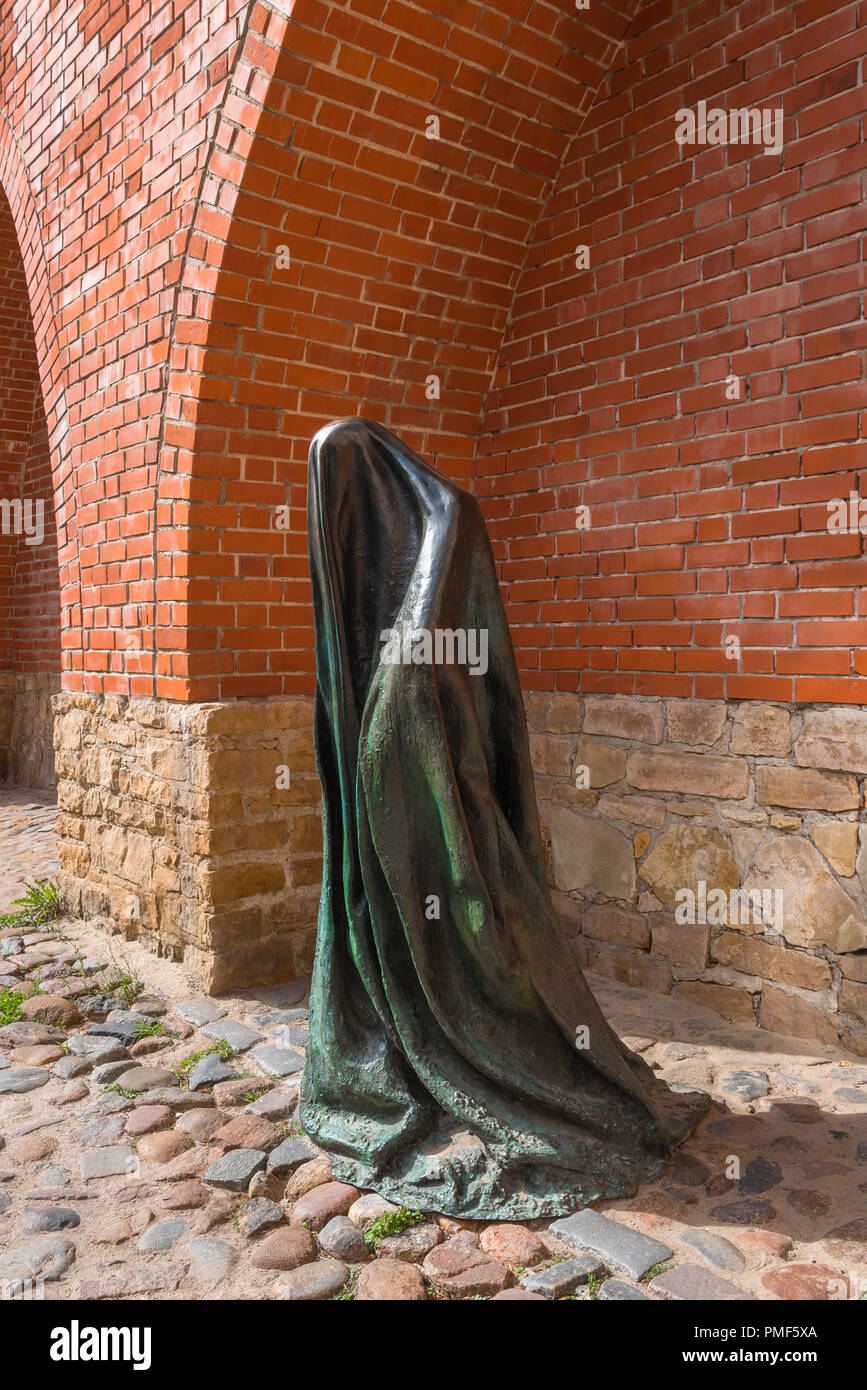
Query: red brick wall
x,y
29,580
708,516
155,156
405,253
161,153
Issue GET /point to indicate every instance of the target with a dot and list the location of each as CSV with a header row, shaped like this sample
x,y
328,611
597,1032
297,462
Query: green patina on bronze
x,y
443,1070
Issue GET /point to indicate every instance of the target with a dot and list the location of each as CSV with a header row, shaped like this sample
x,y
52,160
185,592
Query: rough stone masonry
x,y
731,794
172,825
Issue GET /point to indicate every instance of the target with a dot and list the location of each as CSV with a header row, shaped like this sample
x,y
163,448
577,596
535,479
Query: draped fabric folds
x,y
458,1061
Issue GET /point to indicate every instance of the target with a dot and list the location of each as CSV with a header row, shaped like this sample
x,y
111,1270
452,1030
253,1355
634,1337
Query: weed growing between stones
x,y
223,1049
250,1096
155,1029
349,1290
122,980
10,1004
39,906
293,1129
391,1223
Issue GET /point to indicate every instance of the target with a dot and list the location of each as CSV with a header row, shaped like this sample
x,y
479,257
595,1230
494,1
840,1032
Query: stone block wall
x,y
172,825
31,757
27,728
643,800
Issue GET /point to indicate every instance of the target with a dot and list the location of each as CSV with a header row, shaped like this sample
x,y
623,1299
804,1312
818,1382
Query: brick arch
x,y
29,573
45,360
405,253
28,230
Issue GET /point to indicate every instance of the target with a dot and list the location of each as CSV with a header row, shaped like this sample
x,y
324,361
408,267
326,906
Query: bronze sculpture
x,y
458,1061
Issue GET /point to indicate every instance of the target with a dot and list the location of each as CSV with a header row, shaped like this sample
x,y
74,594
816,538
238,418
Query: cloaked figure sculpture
x,y
458,1061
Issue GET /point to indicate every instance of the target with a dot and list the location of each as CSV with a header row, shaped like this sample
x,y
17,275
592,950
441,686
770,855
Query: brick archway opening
x,y
29,575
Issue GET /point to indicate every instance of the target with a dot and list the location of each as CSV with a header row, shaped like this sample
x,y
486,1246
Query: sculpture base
x,y
455,1173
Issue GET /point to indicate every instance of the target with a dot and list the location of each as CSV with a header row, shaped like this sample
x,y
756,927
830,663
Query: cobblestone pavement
x,y
28,848
137,1162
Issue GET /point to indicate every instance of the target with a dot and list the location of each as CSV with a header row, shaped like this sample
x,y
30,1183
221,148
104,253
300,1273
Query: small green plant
x,y
223,1049
250,1096
39,906
10,1004
349,1290
653,1271
130,1095
77,966
121,977
156,1029
293,1129
127,985
391,1223
594,1284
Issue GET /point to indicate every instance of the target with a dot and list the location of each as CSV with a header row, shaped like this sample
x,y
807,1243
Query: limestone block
x,y
126,853
695,721
306,834
771,962
838,841
795,1017
686,855
731,1003
551,756
803,788
554,714
853,999
623,716
573,796
705,774
306,873
607,922
861,859
150,714
634,969
588,852
605,765
73,859
816,909
230,882
638,810
834,738
682,944
854,967
248,717
764,730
